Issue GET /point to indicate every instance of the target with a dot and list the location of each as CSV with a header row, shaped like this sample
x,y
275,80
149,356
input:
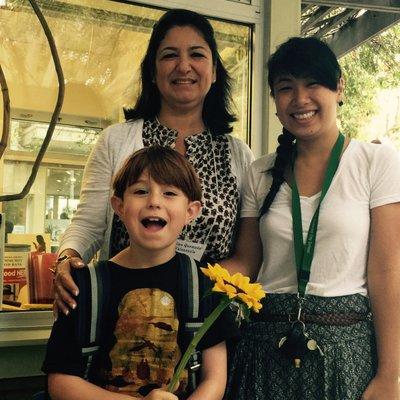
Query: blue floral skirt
x,y
259,371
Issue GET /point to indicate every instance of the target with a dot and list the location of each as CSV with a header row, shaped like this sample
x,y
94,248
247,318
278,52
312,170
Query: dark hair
x,y
305,58
40,239
283,156
164,165
217,113
300,58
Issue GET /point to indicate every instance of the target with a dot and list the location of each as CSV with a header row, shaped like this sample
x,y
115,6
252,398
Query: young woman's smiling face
x,y
185,69
305,107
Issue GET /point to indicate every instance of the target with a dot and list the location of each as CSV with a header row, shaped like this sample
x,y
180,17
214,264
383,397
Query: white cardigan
x,y
91,225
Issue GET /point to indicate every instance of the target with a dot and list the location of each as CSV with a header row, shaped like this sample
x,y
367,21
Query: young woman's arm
x,y
213,374
384,290
247,257
69,387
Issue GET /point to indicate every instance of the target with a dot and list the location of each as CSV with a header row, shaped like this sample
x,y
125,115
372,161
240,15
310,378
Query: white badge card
x,y
192,249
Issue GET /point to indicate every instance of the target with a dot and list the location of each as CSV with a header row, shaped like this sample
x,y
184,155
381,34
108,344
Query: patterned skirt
x,y
259,371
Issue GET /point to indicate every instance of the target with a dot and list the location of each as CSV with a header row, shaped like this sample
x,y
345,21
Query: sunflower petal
x,y
237,287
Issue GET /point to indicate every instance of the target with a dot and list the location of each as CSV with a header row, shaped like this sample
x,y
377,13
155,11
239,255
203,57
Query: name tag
x,y
192,249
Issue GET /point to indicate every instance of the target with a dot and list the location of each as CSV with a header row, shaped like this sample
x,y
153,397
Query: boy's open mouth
x,y
153,223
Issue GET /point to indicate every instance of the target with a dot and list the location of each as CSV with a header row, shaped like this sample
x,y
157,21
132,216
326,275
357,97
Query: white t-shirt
x,y
368,176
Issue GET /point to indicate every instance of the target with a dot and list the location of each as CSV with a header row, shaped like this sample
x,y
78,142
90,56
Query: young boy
x,y
156,193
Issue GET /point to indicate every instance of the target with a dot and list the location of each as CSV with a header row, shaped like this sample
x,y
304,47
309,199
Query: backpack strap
x,y
189,287
192,310
94,293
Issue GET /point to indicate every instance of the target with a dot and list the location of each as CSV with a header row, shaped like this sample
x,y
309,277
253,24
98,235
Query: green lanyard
x,y
304,252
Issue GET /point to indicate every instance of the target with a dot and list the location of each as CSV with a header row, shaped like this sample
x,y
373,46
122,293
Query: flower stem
x,y
196,339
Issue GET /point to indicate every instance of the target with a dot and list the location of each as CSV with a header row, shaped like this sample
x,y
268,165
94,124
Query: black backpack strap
x,y
94,293
189,287
191,311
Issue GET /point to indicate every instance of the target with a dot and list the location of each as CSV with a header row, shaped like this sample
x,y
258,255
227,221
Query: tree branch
x,y
6,112
56,112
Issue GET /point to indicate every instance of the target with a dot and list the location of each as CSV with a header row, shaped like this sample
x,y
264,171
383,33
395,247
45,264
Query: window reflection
x,y
62,197
29,136
101,44
55,195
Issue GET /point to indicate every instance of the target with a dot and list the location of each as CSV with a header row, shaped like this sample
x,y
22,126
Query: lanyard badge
x,y
304,252
296,343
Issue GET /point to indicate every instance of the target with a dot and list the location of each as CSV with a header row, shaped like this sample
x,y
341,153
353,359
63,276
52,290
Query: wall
x,y
282,17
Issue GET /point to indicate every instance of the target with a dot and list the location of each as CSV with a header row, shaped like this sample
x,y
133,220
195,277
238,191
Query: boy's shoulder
x,y
190,264
187,261
193,287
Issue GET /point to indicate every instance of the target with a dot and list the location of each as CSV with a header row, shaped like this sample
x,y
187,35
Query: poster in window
x,y
15,277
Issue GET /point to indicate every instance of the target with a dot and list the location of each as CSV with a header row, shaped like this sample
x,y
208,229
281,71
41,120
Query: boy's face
x,y
154,214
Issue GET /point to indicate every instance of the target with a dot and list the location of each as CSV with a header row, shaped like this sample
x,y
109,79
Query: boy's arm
x,y
213,374
70,387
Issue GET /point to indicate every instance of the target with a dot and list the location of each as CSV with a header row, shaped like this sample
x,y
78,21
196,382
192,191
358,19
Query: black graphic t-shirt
x,y
141,343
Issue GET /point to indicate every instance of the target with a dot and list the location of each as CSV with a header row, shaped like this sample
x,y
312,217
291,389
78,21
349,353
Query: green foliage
x,y
360,91
368,69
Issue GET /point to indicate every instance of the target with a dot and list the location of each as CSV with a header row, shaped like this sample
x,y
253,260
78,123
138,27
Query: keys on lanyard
x,y
296,343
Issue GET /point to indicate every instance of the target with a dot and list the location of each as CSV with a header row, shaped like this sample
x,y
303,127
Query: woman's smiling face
x,y
305,107
185,69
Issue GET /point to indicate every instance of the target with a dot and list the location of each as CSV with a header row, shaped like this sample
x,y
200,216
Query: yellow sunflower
x,y
239,291
236,287
215,271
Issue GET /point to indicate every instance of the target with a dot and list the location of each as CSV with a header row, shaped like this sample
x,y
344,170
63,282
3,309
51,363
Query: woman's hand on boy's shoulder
x,y
64,286
160,394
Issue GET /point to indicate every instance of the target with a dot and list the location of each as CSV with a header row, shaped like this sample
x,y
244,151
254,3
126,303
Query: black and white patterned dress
x,y
211,158
259,371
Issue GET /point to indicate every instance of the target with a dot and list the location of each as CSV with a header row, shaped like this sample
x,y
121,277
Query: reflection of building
x,y
57,186
100,45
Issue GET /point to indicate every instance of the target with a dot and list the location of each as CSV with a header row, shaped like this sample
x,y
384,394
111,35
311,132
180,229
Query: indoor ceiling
x,y
344,25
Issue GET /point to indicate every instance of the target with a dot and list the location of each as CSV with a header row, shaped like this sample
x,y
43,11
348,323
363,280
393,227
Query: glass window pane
x,y
101,44
28,136
51,202
234,47
62,197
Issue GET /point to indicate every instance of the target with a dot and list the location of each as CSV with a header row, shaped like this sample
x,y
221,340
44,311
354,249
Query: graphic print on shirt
x,y
146,350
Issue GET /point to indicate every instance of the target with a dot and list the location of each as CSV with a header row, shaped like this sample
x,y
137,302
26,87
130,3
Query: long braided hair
x,y
284,154
300,58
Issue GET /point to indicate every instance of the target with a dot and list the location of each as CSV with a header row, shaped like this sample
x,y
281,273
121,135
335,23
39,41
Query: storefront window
x,y
100,44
